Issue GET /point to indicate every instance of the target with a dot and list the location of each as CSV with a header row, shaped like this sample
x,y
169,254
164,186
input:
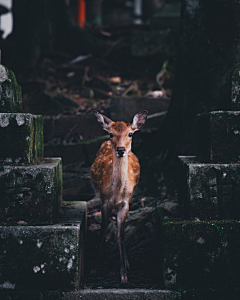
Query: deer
x,y
115,175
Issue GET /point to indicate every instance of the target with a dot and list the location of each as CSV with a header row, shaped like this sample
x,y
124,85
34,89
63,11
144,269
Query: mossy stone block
x,y
10,92
209,191
21,138
235,96
219,136
43,257
32,194
202,258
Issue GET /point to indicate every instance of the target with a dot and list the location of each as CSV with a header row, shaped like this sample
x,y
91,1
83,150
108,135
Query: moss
x,y
38,138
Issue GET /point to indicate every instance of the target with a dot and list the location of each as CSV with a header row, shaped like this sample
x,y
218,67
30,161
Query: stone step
x,y
72,129
10,92
102,294
77,185
31,194
21,138
209,191
219,136
47,257
84,152
124,108
202,258
149,43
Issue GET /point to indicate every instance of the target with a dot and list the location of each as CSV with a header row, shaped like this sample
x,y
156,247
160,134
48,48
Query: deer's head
x,y
121,132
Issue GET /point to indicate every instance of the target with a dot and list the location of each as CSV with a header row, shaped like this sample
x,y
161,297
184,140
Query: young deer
x,y
115,174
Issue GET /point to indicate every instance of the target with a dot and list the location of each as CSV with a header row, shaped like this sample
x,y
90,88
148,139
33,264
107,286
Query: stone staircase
x,y
202,254
41,238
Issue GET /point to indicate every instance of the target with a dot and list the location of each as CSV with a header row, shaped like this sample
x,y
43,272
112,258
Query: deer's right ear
x,y
104,121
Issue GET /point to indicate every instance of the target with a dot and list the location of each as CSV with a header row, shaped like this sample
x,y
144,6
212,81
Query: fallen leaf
x,y
21,222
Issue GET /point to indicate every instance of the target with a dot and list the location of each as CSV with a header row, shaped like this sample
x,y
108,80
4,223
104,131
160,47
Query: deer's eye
x,y
130,134
111,135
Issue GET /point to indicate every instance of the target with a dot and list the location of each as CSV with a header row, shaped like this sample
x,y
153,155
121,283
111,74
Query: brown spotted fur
x,y
115,178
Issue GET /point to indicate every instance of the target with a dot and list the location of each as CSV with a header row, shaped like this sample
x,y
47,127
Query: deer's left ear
x,y
139,120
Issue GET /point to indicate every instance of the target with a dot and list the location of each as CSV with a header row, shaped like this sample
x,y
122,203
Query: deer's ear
x,y
104,121
139,120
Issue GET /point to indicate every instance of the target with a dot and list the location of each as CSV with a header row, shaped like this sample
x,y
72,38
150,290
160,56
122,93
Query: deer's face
x,y
121,132
121,138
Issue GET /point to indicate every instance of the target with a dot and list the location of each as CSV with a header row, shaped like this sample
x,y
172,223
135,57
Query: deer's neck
x,y
120,169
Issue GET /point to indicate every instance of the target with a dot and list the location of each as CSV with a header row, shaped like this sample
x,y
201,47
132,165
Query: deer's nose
x,y
120,151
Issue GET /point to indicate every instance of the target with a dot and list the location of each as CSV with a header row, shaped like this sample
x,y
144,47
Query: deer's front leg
x,y
106,212
121,217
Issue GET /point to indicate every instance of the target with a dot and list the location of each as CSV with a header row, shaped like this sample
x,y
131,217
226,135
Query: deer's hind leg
x,y
121,218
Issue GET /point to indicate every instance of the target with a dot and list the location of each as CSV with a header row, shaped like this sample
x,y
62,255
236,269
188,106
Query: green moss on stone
x,y
38,138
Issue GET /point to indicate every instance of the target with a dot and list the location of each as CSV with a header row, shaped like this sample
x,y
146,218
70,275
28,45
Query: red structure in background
x,y
81,14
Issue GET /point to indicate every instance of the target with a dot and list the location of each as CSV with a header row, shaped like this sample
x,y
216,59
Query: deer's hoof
x,y
124,279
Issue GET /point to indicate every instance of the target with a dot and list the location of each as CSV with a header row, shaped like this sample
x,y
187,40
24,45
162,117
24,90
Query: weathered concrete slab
x,y
124,108
84,152
219,136
103,294
32,193
122,294
209,191
202,258
44,257
77,184
21,138
71,129
10,92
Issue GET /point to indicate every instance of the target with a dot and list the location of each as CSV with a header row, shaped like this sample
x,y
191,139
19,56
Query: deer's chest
x,y
121,190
